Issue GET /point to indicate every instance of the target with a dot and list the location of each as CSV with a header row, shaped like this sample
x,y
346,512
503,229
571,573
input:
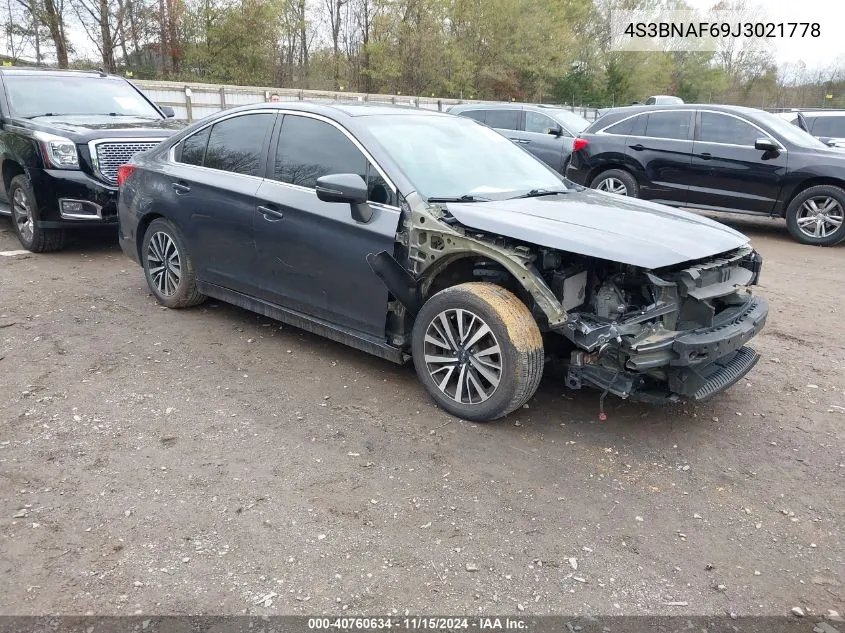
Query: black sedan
x,y
722,158
424,235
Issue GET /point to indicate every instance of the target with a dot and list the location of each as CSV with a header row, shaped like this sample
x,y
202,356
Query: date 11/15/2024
x,y
409,623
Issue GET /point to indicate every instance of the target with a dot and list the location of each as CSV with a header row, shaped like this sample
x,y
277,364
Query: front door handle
x,y
270,214
638,147
706,155
180,187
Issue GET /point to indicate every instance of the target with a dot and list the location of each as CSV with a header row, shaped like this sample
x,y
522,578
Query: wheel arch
x,y
10,169
143,224
806,184
600,169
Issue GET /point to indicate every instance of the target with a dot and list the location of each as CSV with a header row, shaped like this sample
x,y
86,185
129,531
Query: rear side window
x,y
833,126
309,148
193,147
634,126
674,125
720,128
503,119
478,115
237,144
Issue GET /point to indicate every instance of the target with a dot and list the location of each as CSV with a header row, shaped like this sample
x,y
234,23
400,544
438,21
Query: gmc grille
x,y
113,154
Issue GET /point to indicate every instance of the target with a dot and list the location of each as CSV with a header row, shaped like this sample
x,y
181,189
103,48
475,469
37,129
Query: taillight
x,y
123,172
579,143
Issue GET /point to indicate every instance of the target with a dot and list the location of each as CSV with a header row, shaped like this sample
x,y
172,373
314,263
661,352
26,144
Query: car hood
x,y
603,225
84,128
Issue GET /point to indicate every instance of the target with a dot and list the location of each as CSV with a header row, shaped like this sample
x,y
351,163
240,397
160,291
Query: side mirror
x,y
766,145
555,131
167,111
348,188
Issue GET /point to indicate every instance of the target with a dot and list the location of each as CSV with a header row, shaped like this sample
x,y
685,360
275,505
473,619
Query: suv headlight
x,y
59,152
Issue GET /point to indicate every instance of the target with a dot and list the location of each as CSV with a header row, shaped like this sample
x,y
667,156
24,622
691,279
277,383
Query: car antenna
x,y
102,72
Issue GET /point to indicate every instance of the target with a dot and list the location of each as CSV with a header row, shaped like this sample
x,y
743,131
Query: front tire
x,y
616,181
168,267
478,351
25,221
815,216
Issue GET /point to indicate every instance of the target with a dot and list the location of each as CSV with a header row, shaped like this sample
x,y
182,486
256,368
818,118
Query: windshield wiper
x,y
38,116
536,193
467,197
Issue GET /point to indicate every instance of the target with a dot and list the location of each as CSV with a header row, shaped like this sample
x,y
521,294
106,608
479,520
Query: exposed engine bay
x,y
657,335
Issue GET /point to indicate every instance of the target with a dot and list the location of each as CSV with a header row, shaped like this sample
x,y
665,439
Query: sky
x,y
827,49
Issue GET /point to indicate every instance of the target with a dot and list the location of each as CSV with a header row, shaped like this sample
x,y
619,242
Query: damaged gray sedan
x,y
418,235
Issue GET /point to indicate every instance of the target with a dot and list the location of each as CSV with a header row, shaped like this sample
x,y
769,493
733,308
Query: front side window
x,y
539,123
309,149
673,125
719,128
503,119
237,144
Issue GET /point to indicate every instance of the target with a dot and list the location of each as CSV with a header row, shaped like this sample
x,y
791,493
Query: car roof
x,y
623,112
53,72
461,107
337,109
812,114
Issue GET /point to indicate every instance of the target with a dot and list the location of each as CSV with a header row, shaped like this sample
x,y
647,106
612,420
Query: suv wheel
x,y
478,351
31,236
616,181
815,216
167,266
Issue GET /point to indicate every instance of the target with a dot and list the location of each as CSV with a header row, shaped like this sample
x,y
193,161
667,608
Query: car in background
x,y
663,100
721,158
826,125
545,131
62,138
653,100
415,234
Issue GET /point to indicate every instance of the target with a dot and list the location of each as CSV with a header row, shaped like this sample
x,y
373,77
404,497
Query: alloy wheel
x,y
613,185
23,216
820,216
164,263
463,356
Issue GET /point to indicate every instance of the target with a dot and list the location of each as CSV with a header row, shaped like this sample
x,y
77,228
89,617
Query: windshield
x,y
451,157
790,132
569,120
39,95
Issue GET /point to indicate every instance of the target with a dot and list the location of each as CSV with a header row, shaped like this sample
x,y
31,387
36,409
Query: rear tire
x,y
478,351
168,267
25,219
616,181
816,216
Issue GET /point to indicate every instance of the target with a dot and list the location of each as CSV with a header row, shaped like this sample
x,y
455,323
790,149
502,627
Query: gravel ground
x,y
213,461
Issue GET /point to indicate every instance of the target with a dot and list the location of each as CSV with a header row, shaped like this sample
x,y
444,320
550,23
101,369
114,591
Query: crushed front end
x,y
662,335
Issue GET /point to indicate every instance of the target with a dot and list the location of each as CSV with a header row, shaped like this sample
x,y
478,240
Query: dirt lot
x,y
199,461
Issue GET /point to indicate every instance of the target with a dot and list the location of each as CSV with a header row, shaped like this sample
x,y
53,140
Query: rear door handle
x,y
638,147
706,155
180,187
270,214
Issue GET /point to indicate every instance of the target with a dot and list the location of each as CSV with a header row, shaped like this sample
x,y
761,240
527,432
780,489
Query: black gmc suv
x,y
63,135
